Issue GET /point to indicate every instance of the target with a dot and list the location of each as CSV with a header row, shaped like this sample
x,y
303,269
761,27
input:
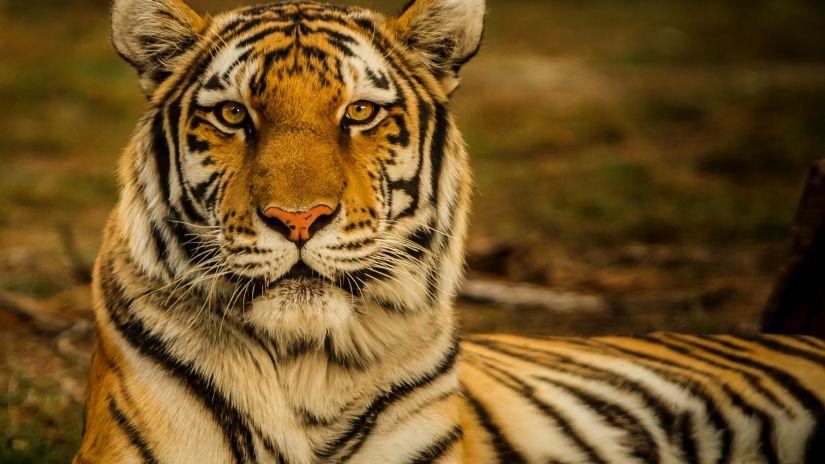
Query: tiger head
x,y
299,159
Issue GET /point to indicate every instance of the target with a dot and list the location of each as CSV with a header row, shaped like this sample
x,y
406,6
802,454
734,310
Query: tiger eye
x,y
360,111
232,113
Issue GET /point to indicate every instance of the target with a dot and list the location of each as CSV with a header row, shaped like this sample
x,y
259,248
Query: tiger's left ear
x,y
444,33
152,35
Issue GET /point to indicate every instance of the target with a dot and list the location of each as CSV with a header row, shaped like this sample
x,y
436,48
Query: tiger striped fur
x,y
227,335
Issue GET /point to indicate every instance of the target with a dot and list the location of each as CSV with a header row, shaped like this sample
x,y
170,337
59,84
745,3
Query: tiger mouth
x,y
303,273
300,271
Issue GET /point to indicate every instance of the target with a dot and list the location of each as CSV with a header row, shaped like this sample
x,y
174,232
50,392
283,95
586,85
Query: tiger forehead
x,y
275,52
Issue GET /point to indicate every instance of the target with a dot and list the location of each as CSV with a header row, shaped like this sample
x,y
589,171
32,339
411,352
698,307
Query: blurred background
x,y
638,165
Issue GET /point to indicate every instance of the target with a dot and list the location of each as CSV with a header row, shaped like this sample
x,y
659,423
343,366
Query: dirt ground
x,y
650,153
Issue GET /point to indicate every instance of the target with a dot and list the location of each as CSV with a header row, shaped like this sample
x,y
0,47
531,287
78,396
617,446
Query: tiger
x,y
276,281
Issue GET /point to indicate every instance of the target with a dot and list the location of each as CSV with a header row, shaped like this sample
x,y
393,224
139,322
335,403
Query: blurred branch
x,y
63,331
80,270
491,291
797,304
33,311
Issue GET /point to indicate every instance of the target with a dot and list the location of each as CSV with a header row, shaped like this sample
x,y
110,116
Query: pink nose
x,y
298,222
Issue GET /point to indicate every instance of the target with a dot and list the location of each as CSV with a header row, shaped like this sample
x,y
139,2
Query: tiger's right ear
x,y
444,33
151,35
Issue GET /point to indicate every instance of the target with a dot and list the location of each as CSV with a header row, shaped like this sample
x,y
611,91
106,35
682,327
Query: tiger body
x,y
275,282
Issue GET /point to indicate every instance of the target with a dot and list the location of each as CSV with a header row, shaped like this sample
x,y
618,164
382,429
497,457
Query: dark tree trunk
x,y
797,304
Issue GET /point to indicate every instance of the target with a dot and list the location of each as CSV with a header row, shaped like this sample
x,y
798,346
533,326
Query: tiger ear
x,y
444,33
151,35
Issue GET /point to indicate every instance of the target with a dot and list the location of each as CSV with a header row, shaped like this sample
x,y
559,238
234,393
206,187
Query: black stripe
x,y
422,237
252,18
640,444
664,416
160,148
811,341
197,145
693,387
448,394
286,29
723,342
132,432
402,138
361,427
780,377
158,240
189,241
780,346
505,453
200,189
687,439
334,36
527,392
161,247
270,447
237,28
784,380
366,24
311,419
174,116
235,430
214,83
438,448
211,199
378,79
437,147
310,51
412,186
766,426
753,380
334,39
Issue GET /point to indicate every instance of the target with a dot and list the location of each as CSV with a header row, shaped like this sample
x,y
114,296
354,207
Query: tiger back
x,y
275,283
659,398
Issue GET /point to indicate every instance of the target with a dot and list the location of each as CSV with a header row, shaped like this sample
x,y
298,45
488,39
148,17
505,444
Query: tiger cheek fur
x,y
275,283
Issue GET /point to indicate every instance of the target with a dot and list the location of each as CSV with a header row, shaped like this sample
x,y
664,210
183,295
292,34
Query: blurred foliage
x,y
651,149
40,423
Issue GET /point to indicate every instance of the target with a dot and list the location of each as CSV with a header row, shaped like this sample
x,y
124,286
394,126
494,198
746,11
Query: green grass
x,y
39,423
615,200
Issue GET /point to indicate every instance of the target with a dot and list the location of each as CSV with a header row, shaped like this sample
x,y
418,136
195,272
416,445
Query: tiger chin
x,y
275,282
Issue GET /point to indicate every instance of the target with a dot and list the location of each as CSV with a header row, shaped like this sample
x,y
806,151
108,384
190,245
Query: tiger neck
x,y
303,398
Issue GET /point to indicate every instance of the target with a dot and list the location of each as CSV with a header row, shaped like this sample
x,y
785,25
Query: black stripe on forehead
x,y
339,25
248,19
251,17
322,56
289,6
312,43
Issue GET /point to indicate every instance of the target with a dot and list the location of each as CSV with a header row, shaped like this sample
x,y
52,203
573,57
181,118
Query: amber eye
x,y
360,112
232,114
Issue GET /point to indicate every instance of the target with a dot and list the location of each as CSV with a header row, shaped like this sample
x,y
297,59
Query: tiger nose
x,y
300,225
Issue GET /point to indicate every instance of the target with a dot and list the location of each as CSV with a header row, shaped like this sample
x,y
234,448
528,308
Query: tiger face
x,y
298,162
